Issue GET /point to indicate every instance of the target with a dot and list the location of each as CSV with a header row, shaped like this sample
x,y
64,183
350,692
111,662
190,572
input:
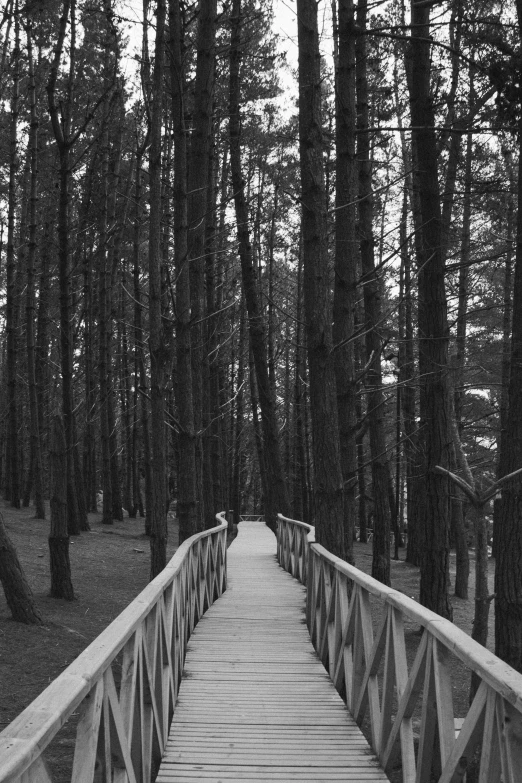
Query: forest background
x,y
216,297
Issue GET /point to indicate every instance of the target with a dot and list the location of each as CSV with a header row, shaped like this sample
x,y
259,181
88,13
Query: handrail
x,y
124,720
397,683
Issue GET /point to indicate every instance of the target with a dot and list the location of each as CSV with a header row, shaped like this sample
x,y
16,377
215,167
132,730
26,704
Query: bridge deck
x,y
255,703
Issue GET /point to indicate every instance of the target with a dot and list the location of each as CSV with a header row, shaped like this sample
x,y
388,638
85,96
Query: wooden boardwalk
x,y
255,703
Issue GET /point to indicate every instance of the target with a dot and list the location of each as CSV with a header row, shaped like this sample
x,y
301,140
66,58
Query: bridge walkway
x,y
255,702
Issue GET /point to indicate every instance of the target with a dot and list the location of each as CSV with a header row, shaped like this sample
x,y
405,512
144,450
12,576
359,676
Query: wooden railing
x,y
394,661
122,690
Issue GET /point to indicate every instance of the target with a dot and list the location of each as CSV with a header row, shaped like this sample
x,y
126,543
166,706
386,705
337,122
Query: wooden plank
x,y
256,757
222,773
212,729
87,735
258,743
261,744
255,702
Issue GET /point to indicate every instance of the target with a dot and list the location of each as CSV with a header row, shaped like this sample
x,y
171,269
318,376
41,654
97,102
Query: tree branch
x,y
463,485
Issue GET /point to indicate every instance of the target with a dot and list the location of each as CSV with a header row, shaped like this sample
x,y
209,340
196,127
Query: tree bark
x,y
482,598
328,479
412,449
18,594
508,571
159,337
458,365
236,495
300,484
258,435
346,253
90,386
104,332
35,441
372,320
61,583
214,275
60,125
187,501
113,258
13,469
507,315
198,200
140,374
435,413
362,511
459,534
129,452
42,326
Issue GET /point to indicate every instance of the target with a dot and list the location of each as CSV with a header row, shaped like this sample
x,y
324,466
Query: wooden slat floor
x,y
255,703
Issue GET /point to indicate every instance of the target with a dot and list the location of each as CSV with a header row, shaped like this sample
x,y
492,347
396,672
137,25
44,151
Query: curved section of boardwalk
x,y
255,703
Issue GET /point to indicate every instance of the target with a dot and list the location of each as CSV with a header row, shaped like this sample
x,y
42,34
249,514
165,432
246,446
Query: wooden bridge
x,y
373,701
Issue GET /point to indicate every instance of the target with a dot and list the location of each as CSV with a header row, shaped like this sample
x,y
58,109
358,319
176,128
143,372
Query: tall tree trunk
x,y
159,337
66,360
362,506
435,409
400,466
415,494
214,284
140,381
129,501
113,258
300,487
287,401
12,452
460,537
372,320
89,300
462,309
508,571
346,252
104,333
222,374
198,199
42,325
25,455
258,434
187,505
35,441
506,331
328,479
271,272
60,121
276,499
458,363
236,494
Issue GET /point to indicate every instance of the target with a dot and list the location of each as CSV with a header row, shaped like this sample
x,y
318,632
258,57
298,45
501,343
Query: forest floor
x,y
110,566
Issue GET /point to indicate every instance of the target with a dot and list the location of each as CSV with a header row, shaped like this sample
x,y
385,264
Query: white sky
x,y
285,27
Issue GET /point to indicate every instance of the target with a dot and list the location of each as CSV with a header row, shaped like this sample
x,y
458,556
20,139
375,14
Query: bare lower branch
x,y
463,485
